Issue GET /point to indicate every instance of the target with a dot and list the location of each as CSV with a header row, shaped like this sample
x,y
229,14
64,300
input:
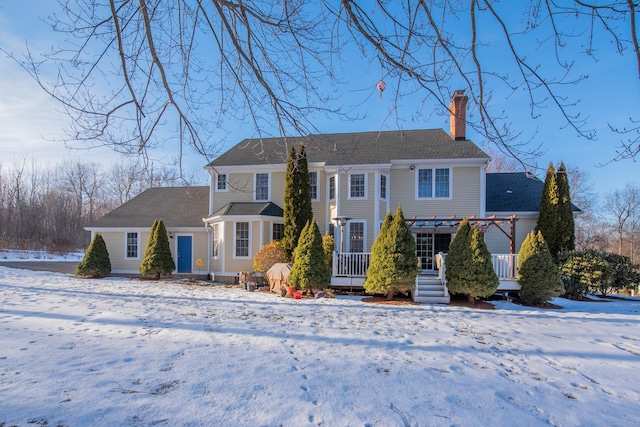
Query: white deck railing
x,y
505,265
355,264
350,264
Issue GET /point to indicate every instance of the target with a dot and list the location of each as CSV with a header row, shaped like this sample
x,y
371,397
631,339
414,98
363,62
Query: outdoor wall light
x,y
412,168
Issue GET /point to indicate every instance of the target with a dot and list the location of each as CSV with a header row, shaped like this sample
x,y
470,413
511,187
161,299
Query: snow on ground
x,y
77,352
28,255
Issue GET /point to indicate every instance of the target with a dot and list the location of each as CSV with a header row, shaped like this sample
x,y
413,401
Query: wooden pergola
x,y
434,224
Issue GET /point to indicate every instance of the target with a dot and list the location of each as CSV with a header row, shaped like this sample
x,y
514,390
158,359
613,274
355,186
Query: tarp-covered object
x,y
278,276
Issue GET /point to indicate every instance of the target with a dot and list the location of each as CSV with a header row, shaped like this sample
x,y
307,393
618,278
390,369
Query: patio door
x,y
184,254
427,246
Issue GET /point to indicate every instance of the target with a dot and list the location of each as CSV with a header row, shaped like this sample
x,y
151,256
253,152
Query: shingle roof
x,y
250,208
177,206
353,148
513,192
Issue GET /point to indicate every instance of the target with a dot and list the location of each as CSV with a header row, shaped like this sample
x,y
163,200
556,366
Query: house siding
x,y
241,190
464,201
498,243
115,241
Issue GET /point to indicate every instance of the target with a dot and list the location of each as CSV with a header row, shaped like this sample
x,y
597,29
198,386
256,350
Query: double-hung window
x,y
356,236
313,185
242,239
277,232
222,182
357,186
332,188
132,246
434,183
262,186
383,187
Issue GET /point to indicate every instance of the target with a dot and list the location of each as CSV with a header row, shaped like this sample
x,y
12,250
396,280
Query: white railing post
x,y
505,265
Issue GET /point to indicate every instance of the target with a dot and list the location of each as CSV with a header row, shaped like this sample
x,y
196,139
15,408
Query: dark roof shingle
x,y
513,192
177,206
353,148
250,208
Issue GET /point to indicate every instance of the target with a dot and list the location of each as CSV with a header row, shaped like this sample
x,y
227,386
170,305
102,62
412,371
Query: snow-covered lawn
x,y
114,352
27,255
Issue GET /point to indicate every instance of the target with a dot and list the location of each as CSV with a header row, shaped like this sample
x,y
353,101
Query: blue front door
x,y
184,254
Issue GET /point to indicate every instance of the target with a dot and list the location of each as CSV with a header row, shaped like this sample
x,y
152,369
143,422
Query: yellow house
x,y
355,179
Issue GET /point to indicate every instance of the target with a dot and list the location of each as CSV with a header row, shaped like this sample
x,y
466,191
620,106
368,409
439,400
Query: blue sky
x,y
31,122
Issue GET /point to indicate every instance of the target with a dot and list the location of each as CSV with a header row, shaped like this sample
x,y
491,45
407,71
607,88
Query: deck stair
x,y
430,289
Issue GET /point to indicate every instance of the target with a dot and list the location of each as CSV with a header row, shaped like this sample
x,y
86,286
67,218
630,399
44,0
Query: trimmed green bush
x,y
394,265
538,275
458,256
96,259
309,270
157,256
469,269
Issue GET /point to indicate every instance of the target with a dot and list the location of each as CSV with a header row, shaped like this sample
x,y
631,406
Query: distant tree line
x,y
47,208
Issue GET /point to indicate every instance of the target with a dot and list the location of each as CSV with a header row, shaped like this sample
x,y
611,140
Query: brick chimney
x,y
458,107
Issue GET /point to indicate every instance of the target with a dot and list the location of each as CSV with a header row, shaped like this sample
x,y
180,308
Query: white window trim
x,y
255,188
235,241
433,183
317,198
366,186
226,183
348,234
126,244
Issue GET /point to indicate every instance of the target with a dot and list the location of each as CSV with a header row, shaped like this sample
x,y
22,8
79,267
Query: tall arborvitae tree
x,y
297,199
566,225
289,239
538,275
157,256
304,211
96,260
548,218
394,264
458,256
309,270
